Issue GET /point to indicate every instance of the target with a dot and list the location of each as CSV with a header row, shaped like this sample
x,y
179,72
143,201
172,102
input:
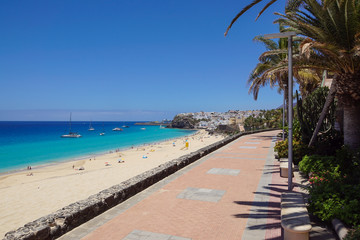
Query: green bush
x,y
299,150
331,197
281,147
317,163
349,162
353,234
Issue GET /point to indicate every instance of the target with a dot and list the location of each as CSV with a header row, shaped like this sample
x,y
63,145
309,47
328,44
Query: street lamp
x,y
289,36
283,115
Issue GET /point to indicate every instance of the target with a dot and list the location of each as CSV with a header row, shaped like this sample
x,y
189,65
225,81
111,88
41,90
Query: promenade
x,y
233,193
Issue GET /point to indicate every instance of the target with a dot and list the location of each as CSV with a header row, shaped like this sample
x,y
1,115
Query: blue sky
x,y
128,60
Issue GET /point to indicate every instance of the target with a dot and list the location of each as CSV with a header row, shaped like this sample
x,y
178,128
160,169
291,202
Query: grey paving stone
x,y
248,147
256,225
202,194
178,238
224,171
145,235
252,142
244,158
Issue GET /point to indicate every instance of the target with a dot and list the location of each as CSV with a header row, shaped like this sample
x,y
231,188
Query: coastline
x,y
55,162
52,187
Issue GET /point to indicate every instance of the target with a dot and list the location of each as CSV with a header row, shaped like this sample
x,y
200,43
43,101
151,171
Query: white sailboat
x,y
91,128
71,134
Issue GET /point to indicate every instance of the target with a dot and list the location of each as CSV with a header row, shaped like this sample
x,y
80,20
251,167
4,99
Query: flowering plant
x,y
331,197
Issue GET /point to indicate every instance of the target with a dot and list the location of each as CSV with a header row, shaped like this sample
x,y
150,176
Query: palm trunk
x,y
352,126
349,97
329,99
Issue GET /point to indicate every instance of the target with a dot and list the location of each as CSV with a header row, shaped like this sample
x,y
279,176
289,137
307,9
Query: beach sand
x,y
26,198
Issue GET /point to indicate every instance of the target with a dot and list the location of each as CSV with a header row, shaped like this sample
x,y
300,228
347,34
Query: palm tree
x,y
290,4
272,68
332,29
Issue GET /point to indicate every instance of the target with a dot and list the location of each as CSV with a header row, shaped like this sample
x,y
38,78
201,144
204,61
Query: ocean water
x,y
25,144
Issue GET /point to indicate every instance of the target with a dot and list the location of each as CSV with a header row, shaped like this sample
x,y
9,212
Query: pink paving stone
x,y
163,212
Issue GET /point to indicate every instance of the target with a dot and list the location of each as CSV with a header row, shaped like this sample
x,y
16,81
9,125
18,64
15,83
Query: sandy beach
x,y
29,195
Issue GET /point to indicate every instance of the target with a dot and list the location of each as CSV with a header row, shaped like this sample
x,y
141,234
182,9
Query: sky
x,y
128,60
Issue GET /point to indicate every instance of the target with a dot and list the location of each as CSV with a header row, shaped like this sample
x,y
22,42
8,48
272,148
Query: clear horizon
x,y
128,60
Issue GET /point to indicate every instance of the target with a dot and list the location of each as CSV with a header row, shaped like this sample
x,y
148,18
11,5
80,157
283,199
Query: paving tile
x,y
145,235
202,194
224,171
228,207
252,142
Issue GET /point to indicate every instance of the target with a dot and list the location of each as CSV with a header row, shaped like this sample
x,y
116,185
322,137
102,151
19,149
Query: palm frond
x,y
241,13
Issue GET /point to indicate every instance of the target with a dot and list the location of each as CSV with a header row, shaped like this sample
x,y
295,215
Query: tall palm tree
x,y
272,68
332,29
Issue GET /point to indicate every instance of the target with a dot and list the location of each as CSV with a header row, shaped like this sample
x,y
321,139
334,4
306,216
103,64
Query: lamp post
x,y
283,116
289,36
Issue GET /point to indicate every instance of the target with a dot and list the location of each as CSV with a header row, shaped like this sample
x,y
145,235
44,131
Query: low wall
x,y
75,214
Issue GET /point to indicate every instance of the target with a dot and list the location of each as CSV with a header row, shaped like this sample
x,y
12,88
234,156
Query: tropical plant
x,y
309,110
272,67
290,4
332,29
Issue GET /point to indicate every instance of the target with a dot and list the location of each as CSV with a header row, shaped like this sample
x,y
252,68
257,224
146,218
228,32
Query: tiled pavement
x,y
233,193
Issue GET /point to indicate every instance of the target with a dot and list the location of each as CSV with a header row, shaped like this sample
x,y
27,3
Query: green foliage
x,y
349,162
331,197
266,119
317,163
334,186
353,234
299,150
309,111
281,147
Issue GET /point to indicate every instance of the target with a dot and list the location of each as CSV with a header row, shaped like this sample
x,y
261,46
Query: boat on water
x,y
91,127
117,129
125,126
71,134
143,128
103,132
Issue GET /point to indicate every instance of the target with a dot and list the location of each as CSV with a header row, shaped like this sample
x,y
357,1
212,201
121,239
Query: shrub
x,y
299,150
317,163
281,147
353,234
331,197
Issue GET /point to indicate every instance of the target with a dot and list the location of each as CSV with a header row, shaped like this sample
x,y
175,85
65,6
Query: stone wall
x,y
75,214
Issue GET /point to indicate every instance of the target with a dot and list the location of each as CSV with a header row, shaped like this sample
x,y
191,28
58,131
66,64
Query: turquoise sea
x,y
25,144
